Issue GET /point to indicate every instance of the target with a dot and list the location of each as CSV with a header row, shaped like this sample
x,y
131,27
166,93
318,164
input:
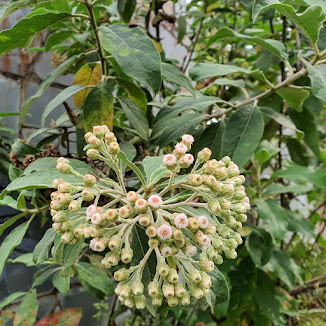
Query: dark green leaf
x,y
265,151
22,149
294,95
277,188
41,250
42,277
61,283
182,28
242,134
135,53
300,225
57,38
317,76
219,287
10,298
298,151
126,9
71,253
10,221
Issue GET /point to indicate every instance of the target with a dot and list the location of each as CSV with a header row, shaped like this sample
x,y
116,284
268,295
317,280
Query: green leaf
x,y
271,211
22,149
14,173
96,278
309,21
21,204
13,239
10,298
27,310
122,156
210,69
61,283
265,151
174,75
260,246
60,98
8,7
266,297
300,225
182,28
98,107
294,95
135,53
242,134
126,9
151,164
71,253
40,278
219,288
57,38
24,31
298,151
306,122
10,221
302,174
41,250
279,118
135,116
228,82
47,82
277,188
159,174
317,75
26,259
273,46
135,93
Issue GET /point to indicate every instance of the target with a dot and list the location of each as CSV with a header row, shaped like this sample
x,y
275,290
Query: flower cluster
x,y
190,218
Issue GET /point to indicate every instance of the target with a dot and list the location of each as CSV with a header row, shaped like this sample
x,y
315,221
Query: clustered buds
x,y
186,241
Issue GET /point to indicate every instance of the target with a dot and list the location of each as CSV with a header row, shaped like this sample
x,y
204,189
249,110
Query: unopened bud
x,y
172,301
94,141
87,195
89,180
111,215
196,292
121,274
204,155
115,242
153,289
74,206
221,173
153,243
168,289
56,182
141,205
144,220
163,269
140,301
100,131
114,148
126,255
93,154
151,231
179,290
173,276
110,137
195,180
206,265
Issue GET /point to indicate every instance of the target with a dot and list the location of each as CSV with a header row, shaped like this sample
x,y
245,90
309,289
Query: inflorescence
x,y
191,220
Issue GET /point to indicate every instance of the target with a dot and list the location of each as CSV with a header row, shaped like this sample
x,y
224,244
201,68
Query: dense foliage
x,y
251,87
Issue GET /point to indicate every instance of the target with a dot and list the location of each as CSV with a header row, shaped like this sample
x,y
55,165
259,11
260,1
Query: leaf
x,y
276,47
27,310
317,75
135,53
219,287
96,278
67,317
275,215
309,21
89,74
26,259
159,174
10,221
306,122
135,116
40,278
7,8
126,8
302,174
151,164
130,152
57,38
61,283
22,149
41,250
277,188
59,99
98,107
294,95
265,151
266,297
10,298
174,75
228,82
210,69
47,82
242,134
13,239
135,93
71,253
122,156
260,245
182,28
279,118
25,29
300,225
298,151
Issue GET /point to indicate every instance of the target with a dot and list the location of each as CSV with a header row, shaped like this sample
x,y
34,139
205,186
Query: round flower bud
x,y
233,170
181,221
106,263
79,231
132,196
206,265
194,276
111,215
195,180
179,243
210,166
91,210
205,282
113,258
67,237
115,242
225,213
87,135
179,290
56,205
65,187
95,231
140,301
62,160
129,302
172,301
89,180
87,195
100,131
190,250
203,221
173,276
53,212
226,160
157,301
187,139
223,231
54,195
153,243
170,161
185,300
227,190
155,201
225,204
151,231
141,205
165,250
60,216
144,219
231,243
186,160
218,260
210,230
121,274
163,269
56,227
110,137
114,148
196,292
94,141
125,211
74,206
168,289
193,224
126,255
164,231
98,219
137,288
214,207
237,237
239,208
177,234
230,253
180,149
210,181
97,244
93,154
220,173
204,155
230,221
125,291
56,182
153,289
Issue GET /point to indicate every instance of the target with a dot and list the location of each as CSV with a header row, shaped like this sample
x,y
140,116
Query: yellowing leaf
x,y
89,74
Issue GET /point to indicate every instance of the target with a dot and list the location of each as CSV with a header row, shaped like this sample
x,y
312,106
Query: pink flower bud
x,y
64,198
190,250
195,180
141,206
203,221
155,201
87,195
110,137
188,139
56,226
93,154
206,265
98,219
63,168
62,160
204,155
126,211
170,161
54,195
180,149
114,148
56,183
111,215
181,221
144,220
233,170
164,231
220,173
89,180
210,230
97,244
100,131
132,196
210,166
74,206
153,289
60,216
94,141
186,160
56,205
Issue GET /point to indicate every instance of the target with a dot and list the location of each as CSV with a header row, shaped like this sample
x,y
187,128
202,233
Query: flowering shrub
x,y
175,233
